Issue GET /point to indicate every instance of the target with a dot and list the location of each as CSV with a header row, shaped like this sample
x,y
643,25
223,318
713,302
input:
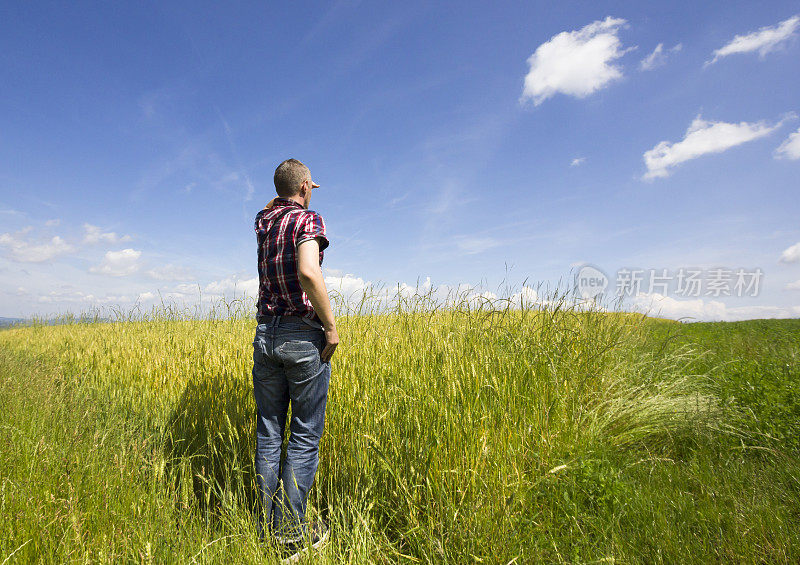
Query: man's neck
x,y
296,198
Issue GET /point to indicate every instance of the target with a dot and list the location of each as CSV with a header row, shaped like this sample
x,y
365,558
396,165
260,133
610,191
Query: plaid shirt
x,y
279,230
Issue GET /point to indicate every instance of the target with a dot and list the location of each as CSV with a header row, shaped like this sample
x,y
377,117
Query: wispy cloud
x,y
118,263
333,15
170,272
156,101
702,138
250,189
577,161
446,198
94,234
71,296
764,40
11,212
396,200
192,162
575,63
472,245
790,148
189,158
658,57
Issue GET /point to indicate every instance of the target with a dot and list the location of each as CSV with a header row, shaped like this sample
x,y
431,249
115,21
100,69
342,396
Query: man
x,y
295,339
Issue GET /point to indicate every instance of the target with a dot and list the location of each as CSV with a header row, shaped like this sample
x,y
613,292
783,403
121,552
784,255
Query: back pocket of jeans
x,y
298,346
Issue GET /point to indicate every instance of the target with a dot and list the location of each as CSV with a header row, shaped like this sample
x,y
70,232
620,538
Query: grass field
x,y
462,435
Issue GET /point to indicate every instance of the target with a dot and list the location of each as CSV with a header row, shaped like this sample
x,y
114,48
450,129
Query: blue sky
x,y
472,144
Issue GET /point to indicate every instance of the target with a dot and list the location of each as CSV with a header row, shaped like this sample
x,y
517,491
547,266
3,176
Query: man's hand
x,y
269,204
331,341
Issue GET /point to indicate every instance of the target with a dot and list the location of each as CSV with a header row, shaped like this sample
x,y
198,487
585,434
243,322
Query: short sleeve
x,y
312,226
257,223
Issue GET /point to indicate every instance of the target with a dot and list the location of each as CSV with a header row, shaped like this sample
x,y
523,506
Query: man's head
x,y
293,181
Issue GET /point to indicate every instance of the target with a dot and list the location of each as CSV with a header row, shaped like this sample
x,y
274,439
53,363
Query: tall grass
x,y
450,426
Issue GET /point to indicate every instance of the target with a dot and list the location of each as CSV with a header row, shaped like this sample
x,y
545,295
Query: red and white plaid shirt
x,y
279,230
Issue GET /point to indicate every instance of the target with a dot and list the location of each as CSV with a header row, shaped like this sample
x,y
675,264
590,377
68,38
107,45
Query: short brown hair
x,y
289,176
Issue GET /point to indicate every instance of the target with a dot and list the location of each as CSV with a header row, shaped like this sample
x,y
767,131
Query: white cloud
x,y
113,299
525,297
170,272
93,234
66,296
577,161
791,254
485,298
575,63
118,263
764,40
658,57
185,293
52,223
351,290
790,148
756,312
699,310
70,296
668,307
20,249
348,285
186,288
702,138
793,285
232,286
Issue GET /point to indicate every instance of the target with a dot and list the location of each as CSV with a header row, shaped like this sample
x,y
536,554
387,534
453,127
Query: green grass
x,y
757,365
75,485
484,435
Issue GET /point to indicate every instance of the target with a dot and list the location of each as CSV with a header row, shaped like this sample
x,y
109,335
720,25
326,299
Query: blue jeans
x,y
287,368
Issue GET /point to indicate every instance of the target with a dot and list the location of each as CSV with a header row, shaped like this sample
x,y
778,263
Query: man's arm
x,y
309,274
